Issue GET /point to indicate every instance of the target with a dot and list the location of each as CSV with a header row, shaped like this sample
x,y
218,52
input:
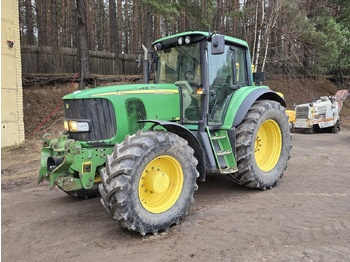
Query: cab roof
x,y
197,36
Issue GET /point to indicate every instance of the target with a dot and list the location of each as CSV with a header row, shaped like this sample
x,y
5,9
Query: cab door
x,y
227,73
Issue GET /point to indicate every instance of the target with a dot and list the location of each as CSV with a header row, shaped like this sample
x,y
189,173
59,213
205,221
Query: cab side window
x,y
241,66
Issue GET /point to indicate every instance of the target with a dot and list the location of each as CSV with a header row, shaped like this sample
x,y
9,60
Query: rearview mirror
x,y
217,44
258,78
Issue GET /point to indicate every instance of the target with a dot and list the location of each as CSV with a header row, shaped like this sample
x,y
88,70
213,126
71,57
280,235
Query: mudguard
x,y
251,98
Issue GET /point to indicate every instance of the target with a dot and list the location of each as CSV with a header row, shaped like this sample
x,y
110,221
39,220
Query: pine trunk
x,y
29,22
83,43
41,19
119,45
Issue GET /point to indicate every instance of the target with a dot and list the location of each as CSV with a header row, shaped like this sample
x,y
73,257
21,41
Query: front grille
x,y
99,111
302,112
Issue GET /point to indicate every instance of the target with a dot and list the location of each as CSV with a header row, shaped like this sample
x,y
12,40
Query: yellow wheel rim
x,y
161,184
268,144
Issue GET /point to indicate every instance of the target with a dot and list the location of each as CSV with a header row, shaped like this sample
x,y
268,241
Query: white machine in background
x,y
321,114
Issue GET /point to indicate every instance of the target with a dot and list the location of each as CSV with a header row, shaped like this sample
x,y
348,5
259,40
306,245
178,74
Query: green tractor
x,y
144,146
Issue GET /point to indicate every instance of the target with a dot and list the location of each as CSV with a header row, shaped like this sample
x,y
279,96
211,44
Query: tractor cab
x,y
207,69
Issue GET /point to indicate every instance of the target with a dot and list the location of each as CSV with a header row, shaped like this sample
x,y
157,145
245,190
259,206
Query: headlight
x,y
158,46
186,40
66,126
76,126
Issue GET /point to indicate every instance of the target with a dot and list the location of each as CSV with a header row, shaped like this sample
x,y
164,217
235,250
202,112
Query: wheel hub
x,y
157,182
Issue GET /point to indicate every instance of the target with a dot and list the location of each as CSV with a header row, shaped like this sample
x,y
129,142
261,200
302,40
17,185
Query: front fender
x,y
186,134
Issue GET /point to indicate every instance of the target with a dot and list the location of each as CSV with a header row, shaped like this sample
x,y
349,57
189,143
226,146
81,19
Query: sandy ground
x,y
305,218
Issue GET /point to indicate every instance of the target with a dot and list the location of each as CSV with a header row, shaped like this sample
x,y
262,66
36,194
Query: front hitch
x,y
69,165
55,159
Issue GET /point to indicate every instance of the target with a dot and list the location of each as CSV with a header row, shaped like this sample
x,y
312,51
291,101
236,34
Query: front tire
x,y
149,181
262,145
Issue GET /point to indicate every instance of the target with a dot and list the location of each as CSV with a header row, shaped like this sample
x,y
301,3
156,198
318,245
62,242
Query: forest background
x,y
304,37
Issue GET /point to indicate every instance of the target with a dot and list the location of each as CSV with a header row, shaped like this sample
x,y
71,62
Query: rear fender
x,y
191,139
257,94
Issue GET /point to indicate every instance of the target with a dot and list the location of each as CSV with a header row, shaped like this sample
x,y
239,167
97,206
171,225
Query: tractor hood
x,y
119,90
110,113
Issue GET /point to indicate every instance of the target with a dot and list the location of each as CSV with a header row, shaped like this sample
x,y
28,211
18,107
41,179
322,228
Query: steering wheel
x,y
189,77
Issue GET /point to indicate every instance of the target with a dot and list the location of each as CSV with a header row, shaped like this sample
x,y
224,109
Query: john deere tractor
x,y
144,146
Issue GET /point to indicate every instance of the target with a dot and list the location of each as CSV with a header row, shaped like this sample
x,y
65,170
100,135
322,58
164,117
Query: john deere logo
x,y
67,106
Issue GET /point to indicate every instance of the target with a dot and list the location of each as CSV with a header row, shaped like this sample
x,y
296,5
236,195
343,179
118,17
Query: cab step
x,y
223,153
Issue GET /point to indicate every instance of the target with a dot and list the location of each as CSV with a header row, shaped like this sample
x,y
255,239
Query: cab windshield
x,y
179,63
182,65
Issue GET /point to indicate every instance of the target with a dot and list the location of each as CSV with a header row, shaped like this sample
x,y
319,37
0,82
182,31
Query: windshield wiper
x,y
186,54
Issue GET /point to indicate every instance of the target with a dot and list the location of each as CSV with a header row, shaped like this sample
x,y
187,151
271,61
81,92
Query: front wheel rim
x,y
160,184
268,145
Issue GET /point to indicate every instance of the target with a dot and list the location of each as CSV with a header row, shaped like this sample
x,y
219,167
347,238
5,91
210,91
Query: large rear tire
x,y
149,181
263,145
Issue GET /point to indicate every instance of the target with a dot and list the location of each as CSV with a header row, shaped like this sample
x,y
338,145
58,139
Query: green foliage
x,y
343,17
329,46
200,15
168,9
